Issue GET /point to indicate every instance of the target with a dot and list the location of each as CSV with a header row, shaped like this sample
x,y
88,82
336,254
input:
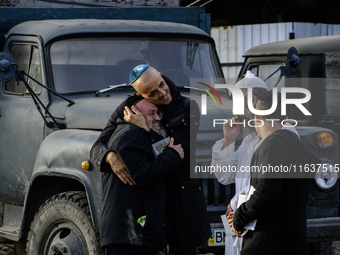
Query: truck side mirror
x,y
293,63
7,66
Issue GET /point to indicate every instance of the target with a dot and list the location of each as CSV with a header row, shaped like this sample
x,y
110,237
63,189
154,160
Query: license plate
x,y
217,237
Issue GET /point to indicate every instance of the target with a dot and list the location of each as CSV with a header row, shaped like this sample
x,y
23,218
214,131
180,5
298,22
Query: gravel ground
x,y
7,249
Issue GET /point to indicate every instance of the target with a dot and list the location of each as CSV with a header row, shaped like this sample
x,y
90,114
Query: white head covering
x,y
251,81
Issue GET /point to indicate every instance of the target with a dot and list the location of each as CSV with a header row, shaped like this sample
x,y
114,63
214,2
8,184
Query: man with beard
x,y
224,154
187,213
133,219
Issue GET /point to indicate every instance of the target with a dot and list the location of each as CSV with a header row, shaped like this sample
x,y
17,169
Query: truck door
x,y
21,125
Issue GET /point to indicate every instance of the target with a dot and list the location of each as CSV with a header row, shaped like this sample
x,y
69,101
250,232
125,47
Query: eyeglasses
x,y
154,113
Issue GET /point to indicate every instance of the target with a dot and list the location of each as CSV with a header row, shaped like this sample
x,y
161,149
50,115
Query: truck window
x,y
332,84
264,71
27,58
90,64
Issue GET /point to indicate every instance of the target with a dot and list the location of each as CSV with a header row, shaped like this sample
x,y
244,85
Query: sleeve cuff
x,y
102,165
218,153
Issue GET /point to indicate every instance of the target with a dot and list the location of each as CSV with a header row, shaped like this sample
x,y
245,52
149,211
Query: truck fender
x,y
58,168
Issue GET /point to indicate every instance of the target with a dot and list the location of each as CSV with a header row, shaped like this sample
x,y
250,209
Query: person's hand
x,y
135,117
177,147
237,233
230,218
119,168
229,209
230,132
230,215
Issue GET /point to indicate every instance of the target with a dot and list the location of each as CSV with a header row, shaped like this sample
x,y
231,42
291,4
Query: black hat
x,y
133,100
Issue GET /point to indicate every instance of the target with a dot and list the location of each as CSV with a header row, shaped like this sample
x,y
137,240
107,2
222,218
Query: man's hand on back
x,y
119,168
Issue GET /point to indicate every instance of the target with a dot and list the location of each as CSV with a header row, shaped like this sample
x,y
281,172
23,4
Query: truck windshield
x,y
269,73
90,64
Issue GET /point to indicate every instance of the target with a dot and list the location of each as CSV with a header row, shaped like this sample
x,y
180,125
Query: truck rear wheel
x,y
63,225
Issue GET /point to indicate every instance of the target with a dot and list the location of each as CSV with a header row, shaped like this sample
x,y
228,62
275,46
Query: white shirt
x,y
239,158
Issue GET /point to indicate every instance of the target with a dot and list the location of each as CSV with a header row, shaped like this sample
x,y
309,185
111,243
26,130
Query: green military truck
x,y
314,64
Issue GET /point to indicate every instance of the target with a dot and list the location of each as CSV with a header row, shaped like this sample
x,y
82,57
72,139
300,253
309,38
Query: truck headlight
x,y
326,177
325,139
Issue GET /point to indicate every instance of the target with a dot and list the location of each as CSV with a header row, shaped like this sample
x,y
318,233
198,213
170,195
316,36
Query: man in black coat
x,y
279,201
133,218
188,218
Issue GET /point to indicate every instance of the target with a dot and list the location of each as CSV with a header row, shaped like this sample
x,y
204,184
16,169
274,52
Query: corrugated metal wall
x,y
233,41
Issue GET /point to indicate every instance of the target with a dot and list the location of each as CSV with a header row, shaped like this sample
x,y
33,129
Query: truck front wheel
x,y
63,225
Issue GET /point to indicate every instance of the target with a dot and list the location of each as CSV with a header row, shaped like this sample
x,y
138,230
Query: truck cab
x,y
57,93
312,64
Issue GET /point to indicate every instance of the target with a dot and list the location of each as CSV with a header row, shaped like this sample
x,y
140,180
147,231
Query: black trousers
x,y
127,249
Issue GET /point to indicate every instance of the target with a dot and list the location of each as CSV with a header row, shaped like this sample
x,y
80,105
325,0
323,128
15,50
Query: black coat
x,y
186,203
278,204
187,207
123,204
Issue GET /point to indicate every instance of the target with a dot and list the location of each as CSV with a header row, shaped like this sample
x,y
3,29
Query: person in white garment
x,y
224,154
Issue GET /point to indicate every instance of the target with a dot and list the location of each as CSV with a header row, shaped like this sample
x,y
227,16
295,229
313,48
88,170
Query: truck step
x,y
10,228
9,233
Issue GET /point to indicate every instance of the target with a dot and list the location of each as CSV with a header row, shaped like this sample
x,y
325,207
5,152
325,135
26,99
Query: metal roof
x,y
50,29
304,46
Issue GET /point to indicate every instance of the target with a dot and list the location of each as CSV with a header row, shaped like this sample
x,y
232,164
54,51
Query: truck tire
x,y
63,225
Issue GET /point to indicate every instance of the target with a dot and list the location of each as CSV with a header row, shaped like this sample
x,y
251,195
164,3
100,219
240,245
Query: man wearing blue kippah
x,y
187,214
